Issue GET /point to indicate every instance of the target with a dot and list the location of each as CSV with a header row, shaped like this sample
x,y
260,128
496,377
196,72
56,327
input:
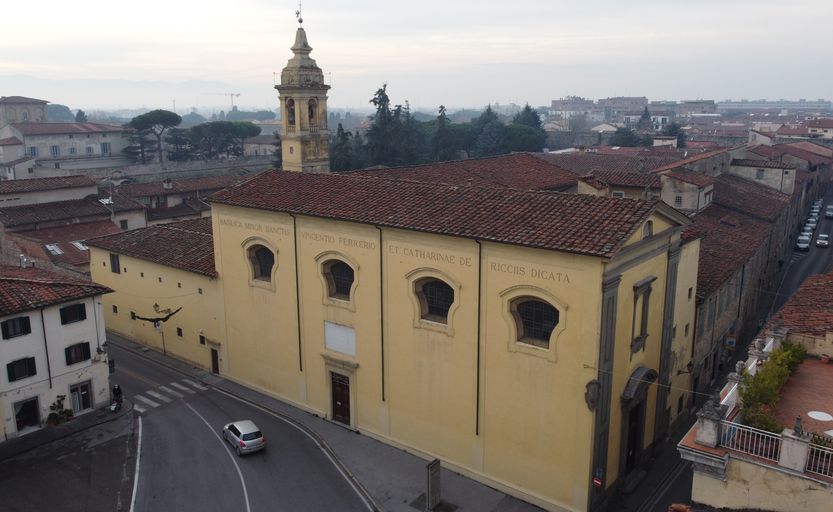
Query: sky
x,y
461,53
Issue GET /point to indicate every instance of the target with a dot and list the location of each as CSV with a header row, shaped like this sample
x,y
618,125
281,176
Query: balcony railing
x,y
752,441
820,460
290,129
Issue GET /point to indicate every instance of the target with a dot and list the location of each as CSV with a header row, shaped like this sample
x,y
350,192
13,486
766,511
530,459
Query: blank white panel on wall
x,y
340,338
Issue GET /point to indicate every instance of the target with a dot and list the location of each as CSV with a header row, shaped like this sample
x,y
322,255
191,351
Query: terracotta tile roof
x,y
810,310
690,160
814,148
63,236
186,245
701,144
585,163
625,179
695,178
206,184
583,224
181,210
792,149
728,240
792,130
518,170
65,210
12,100
766,151
25,289
65,128
41,184
820,123
749,197
765,164
10,141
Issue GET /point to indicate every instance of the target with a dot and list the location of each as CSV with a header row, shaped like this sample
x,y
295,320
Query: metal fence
x,y
753,441
820,460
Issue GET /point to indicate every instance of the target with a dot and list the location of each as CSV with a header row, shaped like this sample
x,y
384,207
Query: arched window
x,y
290,111
535,320
339,279
313,108
648,229
263,261
435,299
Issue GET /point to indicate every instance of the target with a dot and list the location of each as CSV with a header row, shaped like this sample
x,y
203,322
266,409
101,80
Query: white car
x,y
244,437
803,243
823,240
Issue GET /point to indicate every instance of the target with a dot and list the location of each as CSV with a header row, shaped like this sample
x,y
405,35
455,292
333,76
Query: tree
x,y
80,116
578,123
675,130
528,117
479,123
192,119
521,137
492,139
443,140
240,131
645,124
625,137
178,141
140,146
213,138
381,148
358,152
57,113
340,150
277,155
157,121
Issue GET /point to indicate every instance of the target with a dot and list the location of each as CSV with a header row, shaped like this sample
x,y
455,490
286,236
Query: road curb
x,y
320,442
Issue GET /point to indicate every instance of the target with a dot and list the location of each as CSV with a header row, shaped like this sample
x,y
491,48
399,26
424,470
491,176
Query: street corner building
x,y
522,337
51,348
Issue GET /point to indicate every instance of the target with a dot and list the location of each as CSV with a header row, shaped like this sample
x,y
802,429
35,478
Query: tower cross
x,y
298,14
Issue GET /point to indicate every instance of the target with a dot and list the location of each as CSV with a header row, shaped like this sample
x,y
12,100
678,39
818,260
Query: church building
x,y
525,338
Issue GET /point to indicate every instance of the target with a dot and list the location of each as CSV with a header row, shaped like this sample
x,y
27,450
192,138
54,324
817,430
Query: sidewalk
x,y
392,478
37,438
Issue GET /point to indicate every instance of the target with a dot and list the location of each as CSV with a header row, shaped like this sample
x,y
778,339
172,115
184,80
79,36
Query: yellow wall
x,y
753,486
511,414
684,308
138,293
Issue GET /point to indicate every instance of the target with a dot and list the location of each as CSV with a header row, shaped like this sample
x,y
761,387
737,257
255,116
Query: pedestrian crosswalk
x,y
152,398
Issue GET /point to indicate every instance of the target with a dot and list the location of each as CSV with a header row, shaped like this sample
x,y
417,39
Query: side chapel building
x,y
525,338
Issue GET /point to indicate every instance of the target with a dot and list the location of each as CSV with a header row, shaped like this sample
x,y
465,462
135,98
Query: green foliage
x,y
578,123
192,119
156,121
443,140
521,137
340,150
178,141
277,155
140,146
243,115
625,137
212,139
529,117
675,130
491,140
56,113
645,123
80,116
759,393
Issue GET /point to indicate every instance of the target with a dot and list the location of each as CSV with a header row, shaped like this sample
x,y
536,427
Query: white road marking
x,y
158,396
194,384
177,385
278,416
136,473
236,466
146,401
170,391
139,408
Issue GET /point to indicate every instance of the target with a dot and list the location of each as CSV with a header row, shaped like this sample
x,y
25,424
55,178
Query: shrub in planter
x,y
759,392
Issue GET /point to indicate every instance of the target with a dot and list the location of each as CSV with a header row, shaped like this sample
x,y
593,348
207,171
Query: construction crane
x,y
231,96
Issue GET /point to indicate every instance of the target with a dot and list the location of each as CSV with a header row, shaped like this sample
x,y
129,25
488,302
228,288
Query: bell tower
x,y
303,101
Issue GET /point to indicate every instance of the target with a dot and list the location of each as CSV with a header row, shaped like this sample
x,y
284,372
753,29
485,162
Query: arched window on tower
x,y
262,260
313,113
290,111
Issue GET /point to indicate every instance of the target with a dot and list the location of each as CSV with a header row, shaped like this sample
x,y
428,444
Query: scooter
x,y
115,405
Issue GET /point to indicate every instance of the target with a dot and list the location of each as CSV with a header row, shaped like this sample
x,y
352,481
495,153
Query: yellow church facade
x,y
526,339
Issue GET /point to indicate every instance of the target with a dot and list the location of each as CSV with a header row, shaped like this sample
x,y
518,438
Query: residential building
x,y
820,105
688,108
264,144
176,199
124,212
69,145
46,190
52,347
740,467
19,109
820,128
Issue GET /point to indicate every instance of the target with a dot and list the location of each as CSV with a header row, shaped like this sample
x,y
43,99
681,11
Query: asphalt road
x,y
185,465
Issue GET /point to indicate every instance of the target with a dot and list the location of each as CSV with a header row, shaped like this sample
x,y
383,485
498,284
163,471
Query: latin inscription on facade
x,y
255,226
529,271
430,255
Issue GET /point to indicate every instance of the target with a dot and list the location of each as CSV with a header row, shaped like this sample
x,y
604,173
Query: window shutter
x,y
10,370
5,328
63,316
32,369
85,349
68,355
82,312
27,326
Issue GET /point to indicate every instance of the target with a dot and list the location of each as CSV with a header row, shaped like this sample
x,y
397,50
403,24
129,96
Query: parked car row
x,y
805,238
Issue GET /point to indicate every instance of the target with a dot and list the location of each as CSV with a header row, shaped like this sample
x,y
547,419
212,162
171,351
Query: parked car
x,y
803,243
813,223
244,436
828,214
806,231
823,240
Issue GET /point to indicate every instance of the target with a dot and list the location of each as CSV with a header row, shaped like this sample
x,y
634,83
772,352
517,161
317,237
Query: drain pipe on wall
x,y
46,348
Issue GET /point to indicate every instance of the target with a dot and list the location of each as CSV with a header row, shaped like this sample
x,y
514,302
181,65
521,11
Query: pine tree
x,y
340,151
